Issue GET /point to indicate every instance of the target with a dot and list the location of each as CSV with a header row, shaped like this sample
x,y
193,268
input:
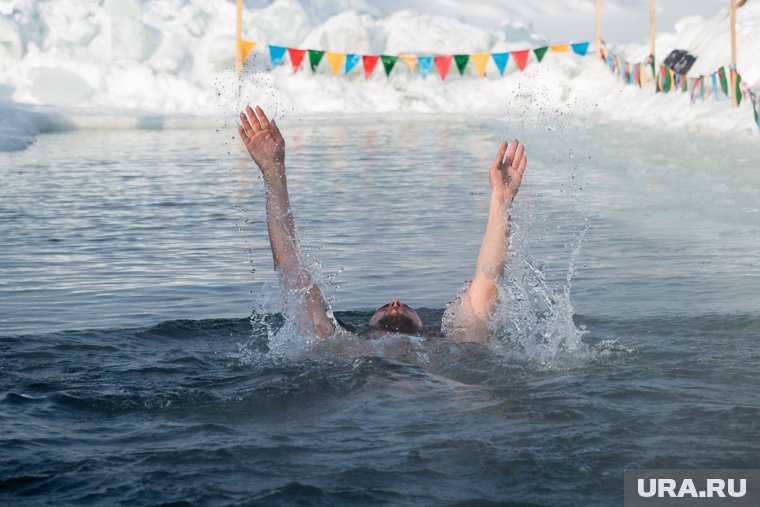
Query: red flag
x,y
296,57
369,64
442,63
521,58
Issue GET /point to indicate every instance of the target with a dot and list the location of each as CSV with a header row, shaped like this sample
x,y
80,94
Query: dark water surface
x,y
132,374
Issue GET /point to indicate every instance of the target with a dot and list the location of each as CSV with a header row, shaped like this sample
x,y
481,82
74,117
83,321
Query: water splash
x,y
534,319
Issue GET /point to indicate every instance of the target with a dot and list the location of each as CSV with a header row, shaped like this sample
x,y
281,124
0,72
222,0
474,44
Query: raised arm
x,y
266,146
467,320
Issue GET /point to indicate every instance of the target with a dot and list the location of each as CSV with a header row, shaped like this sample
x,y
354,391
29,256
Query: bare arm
x,y
266,146
469,321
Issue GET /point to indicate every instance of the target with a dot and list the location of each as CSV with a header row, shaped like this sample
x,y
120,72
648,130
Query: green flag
x,y
738,89
388,63
461,62
540,52
315,56
723,81
666,80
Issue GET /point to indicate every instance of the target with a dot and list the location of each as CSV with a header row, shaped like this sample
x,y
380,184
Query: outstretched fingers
x,y
500,155
243,135
511,152
262,118
248,126
518,156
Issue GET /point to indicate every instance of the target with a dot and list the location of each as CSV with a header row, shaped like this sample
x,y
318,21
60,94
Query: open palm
x,y
262,139
508,168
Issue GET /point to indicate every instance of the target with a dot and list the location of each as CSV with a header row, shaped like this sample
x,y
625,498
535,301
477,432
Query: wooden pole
x,y
651,28
734,100
599,28
239,37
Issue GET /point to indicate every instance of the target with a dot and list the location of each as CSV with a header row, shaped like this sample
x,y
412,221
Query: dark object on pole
x,y
680,61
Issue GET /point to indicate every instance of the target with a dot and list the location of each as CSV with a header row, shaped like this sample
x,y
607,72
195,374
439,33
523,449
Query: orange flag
x,y
244,48
410,60
480,61
335,60
560,48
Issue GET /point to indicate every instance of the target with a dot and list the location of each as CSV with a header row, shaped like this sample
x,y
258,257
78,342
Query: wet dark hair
x,y
398,323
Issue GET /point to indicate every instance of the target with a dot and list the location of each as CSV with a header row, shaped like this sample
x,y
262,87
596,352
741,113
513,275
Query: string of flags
x,y
667,80
345,63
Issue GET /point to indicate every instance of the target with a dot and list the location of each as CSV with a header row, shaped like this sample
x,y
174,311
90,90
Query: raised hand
x,y
263,141
507,170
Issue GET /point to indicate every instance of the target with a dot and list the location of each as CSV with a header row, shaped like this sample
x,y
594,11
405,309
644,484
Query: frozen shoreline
x,y
63,64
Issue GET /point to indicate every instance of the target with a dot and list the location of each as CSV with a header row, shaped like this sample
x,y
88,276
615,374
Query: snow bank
x,y
130,63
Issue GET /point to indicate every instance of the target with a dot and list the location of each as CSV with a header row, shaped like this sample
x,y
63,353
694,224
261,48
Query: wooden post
x,y
734,100
239,37
651,28
599,28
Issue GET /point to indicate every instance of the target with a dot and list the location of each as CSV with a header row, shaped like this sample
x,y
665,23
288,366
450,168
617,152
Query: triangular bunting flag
x,y
723,81
388,63
442,63
461,61
540,52
276,53
738,88
409,60
351,61
500,59
369,64
244,48
560,48
666,79
296,57
714,79
426,63
702,87
580,48
480,61
693,84
335,60
315,57
520,58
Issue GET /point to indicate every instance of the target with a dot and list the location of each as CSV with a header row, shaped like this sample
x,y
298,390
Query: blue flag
x,y
351,61
580,48
500,59
714,78
425,63
276,53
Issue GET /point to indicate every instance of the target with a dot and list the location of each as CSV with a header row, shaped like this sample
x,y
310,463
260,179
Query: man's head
x,y
397,317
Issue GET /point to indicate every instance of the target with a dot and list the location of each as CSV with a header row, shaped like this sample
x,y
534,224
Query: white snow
x,y
114,63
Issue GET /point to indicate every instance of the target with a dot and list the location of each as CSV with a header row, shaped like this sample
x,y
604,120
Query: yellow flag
x,y
410,60
244,48
643,74
560,48
479,61
335,60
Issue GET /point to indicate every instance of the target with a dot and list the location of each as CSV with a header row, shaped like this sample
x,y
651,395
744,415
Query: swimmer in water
x,y
465,320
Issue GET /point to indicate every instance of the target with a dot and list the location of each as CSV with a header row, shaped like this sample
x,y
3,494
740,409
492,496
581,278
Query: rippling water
x,y
131,261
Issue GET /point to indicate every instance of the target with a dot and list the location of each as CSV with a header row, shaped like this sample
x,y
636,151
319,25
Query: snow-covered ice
x,y
132,63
